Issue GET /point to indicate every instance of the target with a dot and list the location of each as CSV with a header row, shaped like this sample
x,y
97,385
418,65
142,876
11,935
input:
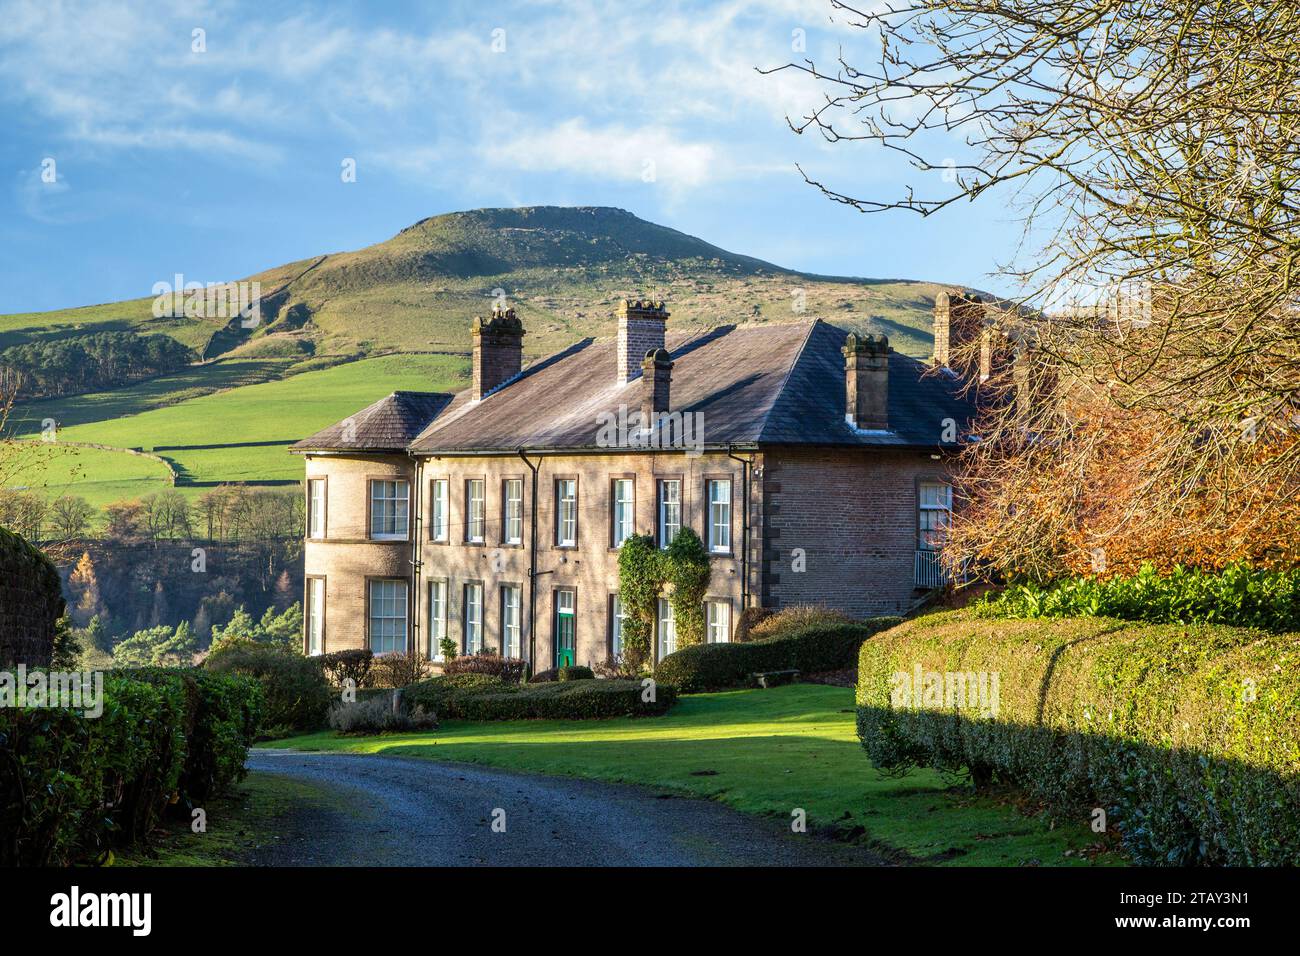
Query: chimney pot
x,y
656,378
958,321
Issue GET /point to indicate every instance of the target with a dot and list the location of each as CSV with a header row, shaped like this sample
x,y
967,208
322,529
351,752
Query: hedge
x,y
1188,737
809,650
296,693
457,698
75,785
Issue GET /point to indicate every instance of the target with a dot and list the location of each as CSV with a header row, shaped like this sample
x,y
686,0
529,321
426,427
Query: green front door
x,y
566,628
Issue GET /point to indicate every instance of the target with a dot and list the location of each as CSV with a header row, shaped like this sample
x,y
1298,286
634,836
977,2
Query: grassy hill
x,y
342,329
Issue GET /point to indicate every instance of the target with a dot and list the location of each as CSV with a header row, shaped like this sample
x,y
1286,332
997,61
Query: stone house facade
x,y
810,461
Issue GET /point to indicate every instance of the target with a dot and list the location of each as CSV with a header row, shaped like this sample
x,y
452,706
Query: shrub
x,y
745,623
295,694
454,698
1187,736
398,670
378,715
507,669
80,784
545,677
614,668
1237,595
575,672
796,618
341,666
816,648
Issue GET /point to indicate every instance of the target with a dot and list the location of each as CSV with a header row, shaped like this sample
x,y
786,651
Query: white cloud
x,y
619,153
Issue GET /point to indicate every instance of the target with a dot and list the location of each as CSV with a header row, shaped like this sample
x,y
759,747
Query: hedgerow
x,y
1238,594
1187,737
809,650
296,694
456,698
76,785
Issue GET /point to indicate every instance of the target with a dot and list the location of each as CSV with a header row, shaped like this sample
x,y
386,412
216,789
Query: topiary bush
x,y
813,649
341,666
295,694
1188,737
575,672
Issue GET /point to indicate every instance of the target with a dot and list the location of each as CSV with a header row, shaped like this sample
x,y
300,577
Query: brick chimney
x,y
958,321
640,330
498,351
656,376
866,381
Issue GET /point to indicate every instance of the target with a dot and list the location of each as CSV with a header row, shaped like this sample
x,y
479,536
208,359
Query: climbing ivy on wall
x,y
644,572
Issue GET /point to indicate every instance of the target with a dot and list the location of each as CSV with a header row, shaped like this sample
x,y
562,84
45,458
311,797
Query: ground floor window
x,y
387,616
667,629
510,605
437,618
616,618
473,618
718,617
315,615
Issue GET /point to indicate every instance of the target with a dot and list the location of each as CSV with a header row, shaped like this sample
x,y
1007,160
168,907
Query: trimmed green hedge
x,y
457,698
1188,737
75,785
809,650
296,693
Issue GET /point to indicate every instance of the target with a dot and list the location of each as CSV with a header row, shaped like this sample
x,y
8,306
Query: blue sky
x,y
222,161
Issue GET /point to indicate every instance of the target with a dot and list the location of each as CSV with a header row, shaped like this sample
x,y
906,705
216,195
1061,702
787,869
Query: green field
x,y
761,751
271,411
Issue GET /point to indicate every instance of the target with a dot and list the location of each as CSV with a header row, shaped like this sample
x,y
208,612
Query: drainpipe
x,y
532,570
746,464
416,525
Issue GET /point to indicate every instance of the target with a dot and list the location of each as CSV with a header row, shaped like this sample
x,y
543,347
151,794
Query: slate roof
x,y
755,385
388,425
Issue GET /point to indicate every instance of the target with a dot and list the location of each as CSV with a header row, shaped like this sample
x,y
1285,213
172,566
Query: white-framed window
x,y
566,512
720,516
511,603
474,510
514,500
934,510
441,496
670,510
616,618
473,618
437,618
389,501
315,615
717,616
667,629
387,616
316,508
621,496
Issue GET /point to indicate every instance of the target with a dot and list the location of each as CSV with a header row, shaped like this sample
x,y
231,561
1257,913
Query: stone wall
x,y
31,601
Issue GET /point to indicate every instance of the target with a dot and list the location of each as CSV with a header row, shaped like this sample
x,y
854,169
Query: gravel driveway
x,y
391,811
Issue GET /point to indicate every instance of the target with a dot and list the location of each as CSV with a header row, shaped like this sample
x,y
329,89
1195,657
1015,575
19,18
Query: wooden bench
x,y
767,679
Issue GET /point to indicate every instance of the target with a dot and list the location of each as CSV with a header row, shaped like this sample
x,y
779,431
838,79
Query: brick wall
x,y
853,514
31,601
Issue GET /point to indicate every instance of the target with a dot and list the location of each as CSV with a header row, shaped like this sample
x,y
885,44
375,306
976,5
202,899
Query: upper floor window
x,y
316,508
934,509
439,493
718,618
514,508
566,512
621,498
389,501
719,517
474,510
387,616
473,618
670,510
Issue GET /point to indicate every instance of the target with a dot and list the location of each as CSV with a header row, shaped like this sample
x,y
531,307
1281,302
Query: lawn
x,y
766,752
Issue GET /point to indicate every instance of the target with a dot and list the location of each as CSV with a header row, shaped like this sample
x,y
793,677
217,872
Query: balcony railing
x,y
928,572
